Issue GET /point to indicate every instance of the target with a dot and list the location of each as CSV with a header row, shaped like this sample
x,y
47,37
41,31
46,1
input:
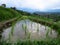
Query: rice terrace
x,y
20,27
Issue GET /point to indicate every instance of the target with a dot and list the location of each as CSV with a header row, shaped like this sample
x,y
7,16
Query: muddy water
x,y
25,29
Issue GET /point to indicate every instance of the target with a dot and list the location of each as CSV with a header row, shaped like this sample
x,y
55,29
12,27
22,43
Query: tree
x,y
3,5
13,8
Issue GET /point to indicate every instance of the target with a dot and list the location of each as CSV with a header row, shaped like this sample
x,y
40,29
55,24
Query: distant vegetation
x,y
52,15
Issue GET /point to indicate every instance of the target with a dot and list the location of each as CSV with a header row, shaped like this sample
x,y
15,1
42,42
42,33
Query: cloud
x,y
33,4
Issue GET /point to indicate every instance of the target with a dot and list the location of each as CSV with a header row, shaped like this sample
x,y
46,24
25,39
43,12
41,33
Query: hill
x,y
7,13
54,10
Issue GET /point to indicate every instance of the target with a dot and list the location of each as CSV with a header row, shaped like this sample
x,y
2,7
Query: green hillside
x,y
7,13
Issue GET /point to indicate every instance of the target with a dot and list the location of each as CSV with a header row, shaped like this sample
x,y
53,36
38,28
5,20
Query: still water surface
x,y
28,29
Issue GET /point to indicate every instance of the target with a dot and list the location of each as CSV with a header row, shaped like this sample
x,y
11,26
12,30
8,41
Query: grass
x,y
34,42
7,13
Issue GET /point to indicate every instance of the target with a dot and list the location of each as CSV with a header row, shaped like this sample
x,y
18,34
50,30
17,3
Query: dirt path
x,y
6,23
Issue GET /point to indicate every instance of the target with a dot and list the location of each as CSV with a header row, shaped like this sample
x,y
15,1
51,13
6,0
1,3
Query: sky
x,y
41,5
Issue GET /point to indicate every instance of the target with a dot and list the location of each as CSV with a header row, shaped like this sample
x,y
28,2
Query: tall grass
x,y
35,42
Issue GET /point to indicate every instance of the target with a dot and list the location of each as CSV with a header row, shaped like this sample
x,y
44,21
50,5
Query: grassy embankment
x,y
7,13
46,21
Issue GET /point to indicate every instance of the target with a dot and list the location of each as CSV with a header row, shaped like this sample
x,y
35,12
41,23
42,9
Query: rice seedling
x,y
12,31
31,25
37,28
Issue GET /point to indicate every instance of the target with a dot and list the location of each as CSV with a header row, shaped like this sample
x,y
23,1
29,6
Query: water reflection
x,y
26,28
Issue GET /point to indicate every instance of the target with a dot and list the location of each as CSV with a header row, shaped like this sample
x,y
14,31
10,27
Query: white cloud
x,y
34,4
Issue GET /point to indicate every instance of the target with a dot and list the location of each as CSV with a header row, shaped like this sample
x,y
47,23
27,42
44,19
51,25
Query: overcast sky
x,y
33,4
